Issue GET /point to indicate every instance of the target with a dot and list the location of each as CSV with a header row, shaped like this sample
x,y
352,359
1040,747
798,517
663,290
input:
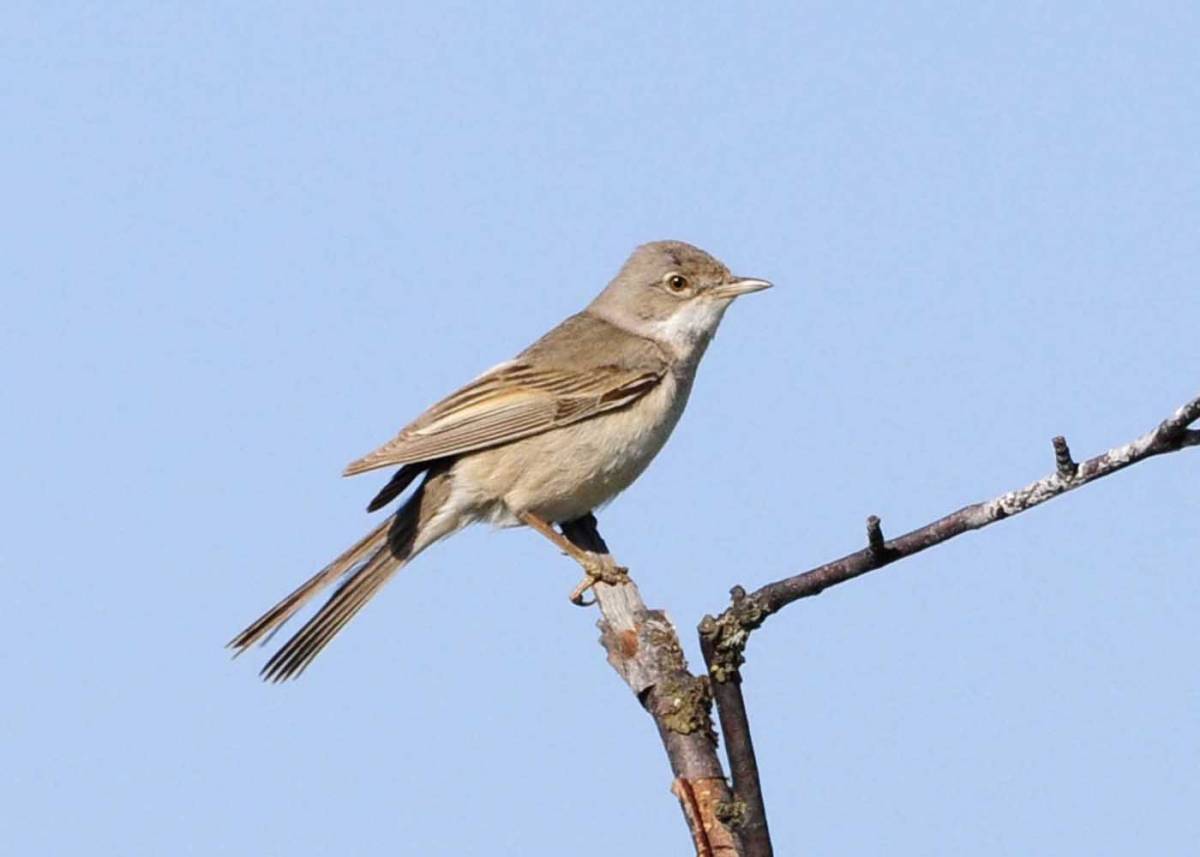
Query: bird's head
x,y
673,293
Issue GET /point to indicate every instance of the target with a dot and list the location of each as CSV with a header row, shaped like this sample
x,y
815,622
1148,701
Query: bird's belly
x,y
567,472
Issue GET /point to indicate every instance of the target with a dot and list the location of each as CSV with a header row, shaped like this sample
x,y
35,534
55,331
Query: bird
x,y
545,438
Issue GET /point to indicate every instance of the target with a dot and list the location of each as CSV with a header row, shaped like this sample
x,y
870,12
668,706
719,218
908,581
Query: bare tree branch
x,y
723,639
743,766
644,649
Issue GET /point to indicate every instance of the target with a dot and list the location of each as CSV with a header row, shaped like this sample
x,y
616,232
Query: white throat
x,y
689,330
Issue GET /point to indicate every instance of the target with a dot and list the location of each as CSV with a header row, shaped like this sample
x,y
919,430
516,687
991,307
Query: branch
x,y
723,639
735,726
644,649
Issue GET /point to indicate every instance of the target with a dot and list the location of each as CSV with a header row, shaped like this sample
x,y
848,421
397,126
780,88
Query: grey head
x,y
673,293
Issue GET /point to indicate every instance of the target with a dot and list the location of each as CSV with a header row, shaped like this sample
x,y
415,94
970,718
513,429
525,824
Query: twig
x,y
723,639
747,804
1065,465
1170,436
875,541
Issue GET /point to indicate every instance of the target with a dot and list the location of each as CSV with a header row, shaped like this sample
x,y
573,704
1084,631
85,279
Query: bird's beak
x,y
740,286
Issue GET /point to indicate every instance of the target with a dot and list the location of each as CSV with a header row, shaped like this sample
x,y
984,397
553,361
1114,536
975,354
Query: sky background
x,y
242,246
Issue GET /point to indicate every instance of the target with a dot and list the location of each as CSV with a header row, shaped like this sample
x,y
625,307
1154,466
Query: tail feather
x,y
423,519
291,660
396,485
285,609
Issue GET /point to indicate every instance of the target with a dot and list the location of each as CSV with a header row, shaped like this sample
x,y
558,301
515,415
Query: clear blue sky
x,y
242,247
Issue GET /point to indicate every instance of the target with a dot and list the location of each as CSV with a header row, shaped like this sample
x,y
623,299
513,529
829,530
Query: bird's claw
x,y
613,575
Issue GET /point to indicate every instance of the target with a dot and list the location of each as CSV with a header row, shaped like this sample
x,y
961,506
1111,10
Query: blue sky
x,y
243,246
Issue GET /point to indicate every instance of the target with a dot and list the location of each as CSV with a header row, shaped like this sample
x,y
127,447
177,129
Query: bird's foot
x,y
591,552
598,571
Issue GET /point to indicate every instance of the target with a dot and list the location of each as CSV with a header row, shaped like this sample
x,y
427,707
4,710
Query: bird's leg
x,y
589,552
582,533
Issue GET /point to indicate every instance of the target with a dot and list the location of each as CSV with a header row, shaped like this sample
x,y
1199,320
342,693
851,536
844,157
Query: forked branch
x,y
723,639
644,648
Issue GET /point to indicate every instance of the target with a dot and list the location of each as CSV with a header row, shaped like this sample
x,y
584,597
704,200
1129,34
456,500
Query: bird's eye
x,y
677,282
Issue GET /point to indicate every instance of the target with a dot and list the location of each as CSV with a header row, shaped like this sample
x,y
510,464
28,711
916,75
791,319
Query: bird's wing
x,y
512,401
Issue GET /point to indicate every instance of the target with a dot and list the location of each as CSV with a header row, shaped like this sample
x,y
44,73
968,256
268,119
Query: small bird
x,y
544,438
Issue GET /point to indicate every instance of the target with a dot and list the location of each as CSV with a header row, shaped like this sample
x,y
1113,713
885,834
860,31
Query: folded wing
x,y
513,401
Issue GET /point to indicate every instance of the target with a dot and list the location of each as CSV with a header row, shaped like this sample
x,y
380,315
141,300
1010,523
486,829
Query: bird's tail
x,y
265,625
368,564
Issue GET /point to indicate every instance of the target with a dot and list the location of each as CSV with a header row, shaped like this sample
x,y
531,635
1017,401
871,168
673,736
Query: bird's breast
x,y
567,472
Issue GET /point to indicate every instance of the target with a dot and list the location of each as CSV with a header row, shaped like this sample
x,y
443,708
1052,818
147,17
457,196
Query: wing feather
x,y
511,402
